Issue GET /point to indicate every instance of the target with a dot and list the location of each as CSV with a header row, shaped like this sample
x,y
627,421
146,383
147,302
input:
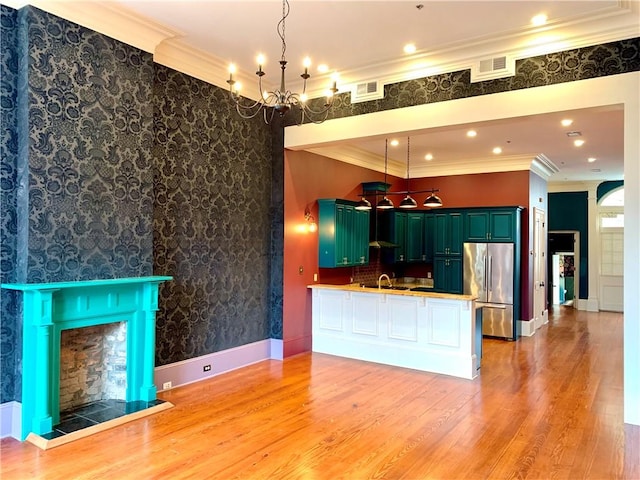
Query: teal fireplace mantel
x,y
49,308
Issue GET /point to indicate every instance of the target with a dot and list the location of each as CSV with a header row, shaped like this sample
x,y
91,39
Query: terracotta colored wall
x,y
309,177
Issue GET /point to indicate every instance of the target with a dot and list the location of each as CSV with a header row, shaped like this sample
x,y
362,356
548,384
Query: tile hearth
x,y
96,413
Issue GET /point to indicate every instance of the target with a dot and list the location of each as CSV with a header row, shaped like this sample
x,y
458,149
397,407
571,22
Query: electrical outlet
x,y
206,368
166,385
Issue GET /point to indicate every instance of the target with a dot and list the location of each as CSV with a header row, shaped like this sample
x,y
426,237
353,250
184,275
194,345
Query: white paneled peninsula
x,y
433,332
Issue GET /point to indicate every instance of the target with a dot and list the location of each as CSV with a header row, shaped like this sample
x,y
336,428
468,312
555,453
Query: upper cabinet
x,y
448,233
343,234
492,225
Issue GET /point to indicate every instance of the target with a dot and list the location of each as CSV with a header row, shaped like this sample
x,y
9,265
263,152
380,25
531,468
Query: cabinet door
x,y
343,226
360,241
440,274
455,234
502,226
400,236
477,226
428,237
454,275
415,232
440,236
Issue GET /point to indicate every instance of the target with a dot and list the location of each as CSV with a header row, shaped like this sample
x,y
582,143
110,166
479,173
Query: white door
x,y
611,228
539,268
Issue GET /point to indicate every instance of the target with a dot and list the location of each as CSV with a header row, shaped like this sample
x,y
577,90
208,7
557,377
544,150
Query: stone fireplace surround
x,y
50,308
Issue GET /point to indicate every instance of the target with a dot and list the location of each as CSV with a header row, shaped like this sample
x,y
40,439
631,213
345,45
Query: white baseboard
x,y
527,327
192,370
10,420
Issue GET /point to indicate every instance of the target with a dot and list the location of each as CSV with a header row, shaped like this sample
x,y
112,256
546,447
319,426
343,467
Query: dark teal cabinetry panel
x,y
448,233
428,237
415,237
447,274
343,234
492,225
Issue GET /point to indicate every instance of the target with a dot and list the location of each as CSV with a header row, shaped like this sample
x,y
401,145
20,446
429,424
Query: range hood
x,y
373,189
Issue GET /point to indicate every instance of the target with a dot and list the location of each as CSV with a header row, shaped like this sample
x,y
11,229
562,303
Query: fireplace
x,y
51,308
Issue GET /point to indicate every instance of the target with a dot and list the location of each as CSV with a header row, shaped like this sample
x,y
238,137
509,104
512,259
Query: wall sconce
x,y
312,226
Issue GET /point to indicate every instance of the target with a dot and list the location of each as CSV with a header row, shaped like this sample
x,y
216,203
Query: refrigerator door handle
x,y
490,274
491,305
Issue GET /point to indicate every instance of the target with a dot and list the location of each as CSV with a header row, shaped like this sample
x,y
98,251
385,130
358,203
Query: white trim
x,y
191,370
11,420
527,327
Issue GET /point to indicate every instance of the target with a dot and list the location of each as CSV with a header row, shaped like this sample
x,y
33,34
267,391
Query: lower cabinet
x,y
447,274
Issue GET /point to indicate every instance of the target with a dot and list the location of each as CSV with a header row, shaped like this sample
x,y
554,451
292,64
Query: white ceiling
x,y
363,40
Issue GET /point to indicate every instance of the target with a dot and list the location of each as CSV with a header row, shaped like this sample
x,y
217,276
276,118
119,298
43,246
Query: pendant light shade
x,y
408,202
432,200
363,204
385,204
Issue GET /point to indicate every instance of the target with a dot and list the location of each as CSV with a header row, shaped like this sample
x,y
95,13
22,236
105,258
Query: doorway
x,y
564,266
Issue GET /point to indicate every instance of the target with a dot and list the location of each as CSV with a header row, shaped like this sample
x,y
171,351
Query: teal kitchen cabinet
x,y
428,236
447,274
343,234
448,233
396,233
492,225
415,237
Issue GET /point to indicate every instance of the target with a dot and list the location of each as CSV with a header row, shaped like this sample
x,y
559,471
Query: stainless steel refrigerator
x,y
488,274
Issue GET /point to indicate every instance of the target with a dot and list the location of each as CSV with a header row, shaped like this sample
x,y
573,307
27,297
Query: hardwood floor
x,y
548,406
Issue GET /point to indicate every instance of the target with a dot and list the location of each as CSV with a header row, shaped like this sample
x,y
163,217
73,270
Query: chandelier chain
x,y
281,27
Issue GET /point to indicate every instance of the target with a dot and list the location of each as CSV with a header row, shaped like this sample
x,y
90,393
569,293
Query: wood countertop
x,y
410,293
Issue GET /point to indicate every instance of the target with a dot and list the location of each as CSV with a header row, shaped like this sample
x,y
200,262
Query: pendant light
x,y
385,203
363,204
408,202
433,201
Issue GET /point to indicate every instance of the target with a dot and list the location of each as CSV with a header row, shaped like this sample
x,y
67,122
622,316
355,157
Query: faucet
x,y
384,275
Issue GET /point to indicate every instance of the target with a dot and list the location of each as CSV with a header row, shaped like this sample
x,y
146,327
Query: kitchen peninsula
x,y
433,332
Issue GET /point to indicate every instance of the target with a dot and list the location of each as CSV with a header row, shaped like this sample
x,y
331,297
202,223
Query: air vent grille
x,y
490,68
366,91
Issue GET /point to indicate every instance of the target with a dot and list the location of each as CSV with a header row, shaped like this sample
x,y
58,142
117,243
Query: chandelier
x,y
280,100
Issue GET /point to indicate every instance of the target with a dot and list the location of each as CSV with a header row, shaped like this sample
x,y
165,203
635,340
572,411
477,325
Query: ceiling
x,y
363,41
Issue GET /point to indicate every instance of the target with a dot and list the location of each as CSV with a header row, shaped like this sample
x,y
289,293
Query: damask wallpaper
x,y
568,66
10,340
212,221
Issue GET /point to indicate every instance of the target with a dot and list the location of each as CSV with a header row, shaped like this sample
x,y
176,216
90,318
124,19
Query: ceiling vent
x,y
365,91
496,67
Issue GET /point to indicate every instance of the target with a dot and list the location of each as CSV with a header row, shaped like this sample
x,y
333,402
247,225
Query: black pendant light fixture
x,y
408,201
385,203
432,201
363,204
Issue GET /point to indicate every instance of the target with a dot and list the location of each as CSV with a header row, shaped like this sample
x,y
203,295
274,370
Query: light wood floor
x,y
549,406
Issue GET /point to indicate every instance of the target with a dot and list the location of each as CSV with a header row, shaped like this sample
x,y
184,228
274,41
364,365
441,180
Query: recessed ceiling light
x,y
591,159
472,133
497,150
539,20
409,48
578,143
323,68
566,122
428,156
394,143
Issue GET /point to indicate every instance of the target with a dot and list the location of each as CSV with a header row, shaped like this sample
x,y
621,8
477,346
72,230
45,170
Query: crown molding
x,y
543,167
108,18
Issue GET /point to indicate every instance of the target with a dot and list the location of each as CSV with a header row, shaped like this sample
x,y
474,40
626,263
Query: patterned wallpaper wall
x,y
568,66
10,340
212,219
